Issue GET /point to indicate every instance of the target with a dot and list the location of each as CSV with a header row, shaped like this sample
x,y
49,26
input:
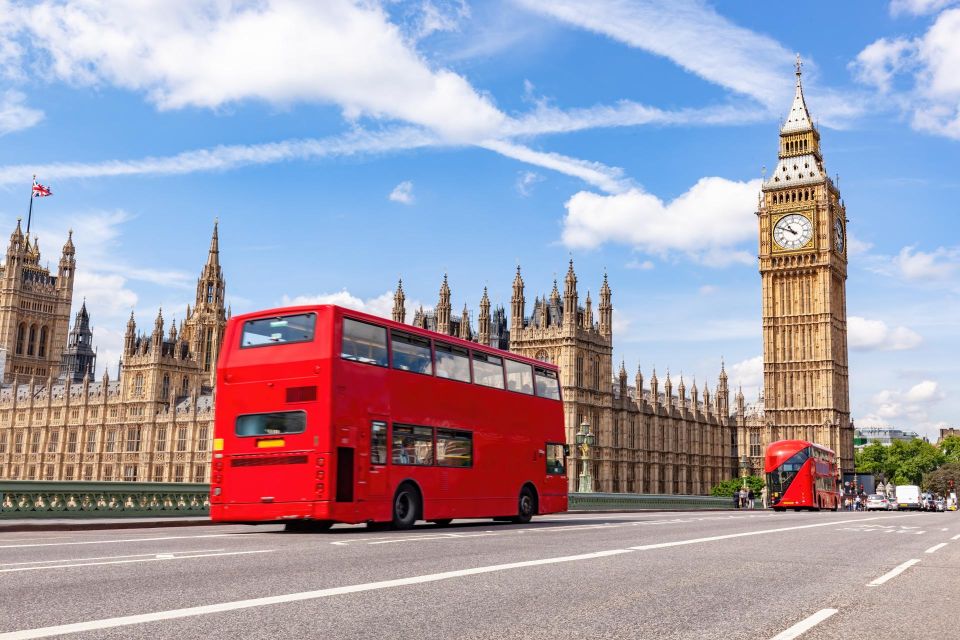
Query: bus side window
x,y
378,442
364,342
555,458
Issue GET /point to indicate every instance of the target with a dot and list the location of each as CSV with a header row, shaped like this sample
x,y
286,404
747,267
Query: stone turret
x,y
606,310
517,303
570,298
399,304
443,308
484,319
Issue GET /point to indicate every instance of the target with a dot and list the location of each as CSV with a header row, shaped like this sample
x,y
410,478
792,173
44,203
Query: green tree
x,y
872,459
907,461
727,487
950,447
938,481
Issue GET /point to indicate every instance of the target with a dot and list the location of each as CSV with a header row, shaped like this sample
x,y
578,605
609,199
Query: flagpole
x,y
30,210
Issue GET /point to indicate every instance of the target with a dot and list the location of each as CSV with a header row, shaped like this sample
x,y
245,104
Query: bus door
x,y
346,464
372,459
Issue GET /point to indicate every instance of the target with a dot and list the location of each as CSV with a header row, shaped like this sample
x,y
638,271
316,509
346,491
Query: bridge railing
x,y
643,502
46,499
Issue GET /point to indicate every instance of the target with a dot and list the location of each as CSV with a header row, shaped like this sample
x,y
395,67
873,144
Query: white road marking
x,y
428,535
936,547
894,573
110,623
804,625
677,543
62,544
945,529
956,537
134,555
149,559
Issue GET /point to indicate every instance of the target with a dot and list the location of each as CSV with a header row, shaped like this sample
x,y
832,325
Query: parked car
x,y
877,502
941,504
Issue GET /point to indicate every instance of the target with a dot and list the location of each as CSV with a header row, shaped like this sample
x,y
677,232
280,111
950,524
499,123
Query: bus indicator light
x,y
218,444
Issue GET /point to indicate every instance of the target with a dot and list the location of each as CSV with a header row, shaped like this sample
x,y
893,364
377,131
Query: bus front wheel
x,y
406,507
526,506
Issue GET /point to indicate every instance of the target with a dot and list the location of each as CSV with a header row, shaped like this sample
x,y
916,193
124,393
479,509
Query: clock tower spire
x,y
803,271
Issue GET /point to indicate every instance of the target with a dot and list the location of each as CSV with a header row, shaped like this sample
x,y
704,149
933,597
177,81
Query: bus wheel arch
x,y
407,505
528,503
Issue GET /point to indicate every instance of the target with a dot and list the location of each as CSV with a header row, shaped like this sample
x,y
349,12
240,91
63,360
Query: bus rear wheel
x,y
526,506
406,507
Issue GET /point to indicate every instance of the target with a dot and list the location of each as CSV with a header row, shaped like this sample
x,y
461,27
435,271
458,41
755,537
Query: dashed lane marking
x,y
64,544
804,625
956,537
123,621
151,558
132,555
893,573
936,547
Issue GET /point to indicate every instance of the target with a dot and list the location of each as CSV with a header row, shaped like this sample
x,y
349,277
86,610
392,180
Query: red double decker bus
x,y
801,475
330,415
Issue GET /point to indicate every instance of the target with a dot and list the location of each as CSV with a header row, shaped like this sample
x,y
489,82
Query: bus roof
x,y
782,446
390,324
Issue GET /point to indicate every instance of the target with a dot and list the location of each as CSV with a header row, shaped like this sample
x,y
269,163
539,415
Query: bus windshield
x,y
278,330
779,480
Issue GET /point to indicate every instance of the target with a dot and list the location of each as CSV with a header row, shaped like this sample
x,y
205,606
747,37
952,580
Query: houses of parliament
x,y
155,421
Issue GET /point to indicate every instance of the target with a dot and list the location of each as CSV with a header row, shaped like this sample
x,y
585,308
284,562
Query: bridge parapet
x,y
45,499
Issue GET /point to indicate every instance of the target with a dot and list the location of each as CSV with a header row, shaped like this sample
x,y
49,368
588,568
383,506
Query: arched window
x,y
596,373
543,356
165,389
31,339
185,386
21,330
209,293
579,371
138,384
42,350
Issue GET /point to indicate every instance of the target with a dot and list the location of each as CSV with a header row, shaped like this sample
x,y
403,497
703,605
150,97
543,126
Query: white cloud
x,y
402,193
925,391
106,294
210,54
381,305
222,158
14,113
748,374
609,179
856,246
875,335
689,33
707,222
892,406
918,7
940,264
432,17
707,290
930,63
525,182
642,265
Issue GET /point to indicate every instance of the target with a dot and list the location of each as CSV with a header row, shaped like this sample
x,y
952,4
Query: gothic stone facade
x,y
647,440
153,423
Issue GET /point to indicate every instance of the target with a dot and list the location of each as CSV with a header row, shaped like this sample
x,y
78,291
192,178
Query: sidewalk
x,y
15,525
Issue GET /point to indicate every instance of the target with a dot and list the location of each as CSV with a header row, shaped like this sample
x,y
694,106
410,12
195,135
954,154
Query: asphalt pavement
x,y
730,575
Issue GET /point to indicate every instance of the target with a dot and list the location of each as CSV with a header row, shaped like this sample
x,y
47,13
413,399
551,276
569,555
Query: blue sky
x,y
343,145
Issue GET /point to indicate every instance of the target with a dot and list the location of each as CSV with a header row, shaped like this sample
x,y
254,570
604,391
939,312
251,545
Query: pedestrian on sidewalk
x,y
763,496
736,499
751,497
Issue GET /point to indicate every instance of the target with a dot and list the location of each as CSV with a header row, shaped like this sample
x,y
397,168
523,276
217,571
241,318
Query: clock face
x,y
838,235
793,231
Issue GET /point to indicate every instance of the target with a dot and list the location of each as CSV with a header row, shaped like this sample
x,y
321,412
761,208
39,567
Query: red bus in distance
x,y
328,415
801,475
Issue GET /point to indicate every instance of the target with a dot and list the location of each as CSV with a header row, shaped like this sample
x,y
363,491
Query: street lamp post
x,y
585,440
744,468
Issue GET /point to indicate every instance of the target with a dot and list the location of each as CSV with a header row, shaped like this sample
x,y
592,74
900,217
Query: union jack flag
x,y
40,191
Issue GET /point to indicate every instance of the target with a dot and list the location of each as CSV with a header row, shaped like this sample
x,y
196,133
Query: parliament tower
x,y
803,268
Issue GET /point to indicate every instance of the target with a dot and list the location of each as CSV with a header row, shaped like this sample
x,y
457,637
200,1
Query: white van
x,y
908,497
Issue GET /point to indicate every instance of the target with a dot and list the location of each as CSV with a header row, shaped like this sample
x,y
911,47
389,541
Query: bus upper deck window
x,y
278,330
363,342
547,384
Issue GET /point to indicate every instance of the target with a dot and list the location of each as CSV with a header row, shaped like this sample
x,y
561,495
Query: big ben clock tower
x,y
803,268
